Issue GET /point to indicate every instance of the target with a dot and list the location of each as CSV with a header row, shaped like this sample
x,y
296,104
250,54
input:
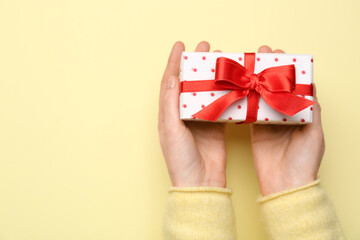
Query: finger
x,y
217,51
316,122
316,109
264,49
203,46
314,90
278,51
169,91
173,64
170,117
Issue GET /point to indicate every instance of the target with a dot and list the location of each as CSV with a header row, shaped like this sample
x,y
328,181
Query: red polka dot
x,y
184,105
276,59
302,120
213,70
194,94
192,116
258,107
284,119
239,106
212,94
240,58
294,59
203,58
312,60
194,69
203,106
230,118
266,119
257,59
311,108
185,57
303,72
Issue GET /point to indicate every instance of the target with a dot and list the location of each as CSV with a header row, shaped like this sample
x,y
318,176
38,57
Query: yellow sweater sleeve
x,y
300,213
199,213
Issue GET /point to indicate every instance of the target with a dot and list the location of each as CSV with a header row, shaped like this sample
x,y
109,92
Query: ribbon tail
x,y
214,110
286,103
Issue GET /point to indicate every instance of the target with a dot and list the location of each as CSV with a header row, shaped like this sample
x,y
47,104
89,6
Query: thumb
x,y
170,103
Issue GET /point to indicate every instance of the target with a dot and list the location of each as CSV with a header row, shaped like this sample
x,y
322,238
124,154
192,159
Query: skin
x,y
195,155
194,152
286,157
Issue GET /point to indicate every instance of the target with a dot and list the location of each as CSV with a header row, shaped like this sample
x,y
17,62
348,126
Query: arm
x,y
199,205
287,159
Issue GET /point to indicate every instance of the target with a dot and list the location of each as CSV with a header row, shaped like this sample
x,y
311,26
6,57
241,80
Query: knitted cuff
x,y
199,213
300,213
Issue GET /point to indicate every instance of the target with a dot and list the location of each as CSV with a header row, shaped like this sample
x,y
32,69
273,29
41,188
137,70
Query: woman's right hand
x,y
194,151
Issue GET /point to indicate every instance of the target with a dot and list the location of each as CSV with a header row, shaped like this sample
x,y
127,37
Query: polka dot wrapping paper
x,y
201,66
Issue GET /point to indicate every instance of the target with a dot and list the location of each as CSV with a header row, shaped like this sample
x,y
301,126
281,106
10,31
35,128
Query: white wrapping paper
x,y
201,66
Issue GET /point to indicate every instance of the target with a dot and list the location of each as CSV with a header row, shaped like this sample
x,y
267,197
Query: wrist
x,y
214,181
276,185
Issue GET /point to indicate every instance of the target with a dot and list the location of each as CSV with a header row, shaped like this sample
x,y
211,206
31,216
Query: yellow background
x,y
79,84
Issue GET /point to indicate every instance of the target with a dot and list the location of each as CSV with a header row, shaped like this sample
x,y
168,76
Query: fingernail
x,y
171,82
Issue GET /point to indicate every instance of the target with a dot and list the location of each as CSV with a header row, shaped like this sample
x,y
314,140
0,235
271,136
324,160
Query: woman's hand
x,y
194,151
287,156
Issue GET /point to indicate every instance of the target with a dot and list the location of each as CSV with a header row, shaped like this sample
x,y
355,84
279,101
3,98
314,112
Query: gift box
x,y
246,87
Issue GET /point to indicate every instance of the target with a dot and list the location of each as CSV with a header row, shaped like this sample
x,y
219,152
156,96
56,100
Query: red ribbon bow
x,y
276,85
